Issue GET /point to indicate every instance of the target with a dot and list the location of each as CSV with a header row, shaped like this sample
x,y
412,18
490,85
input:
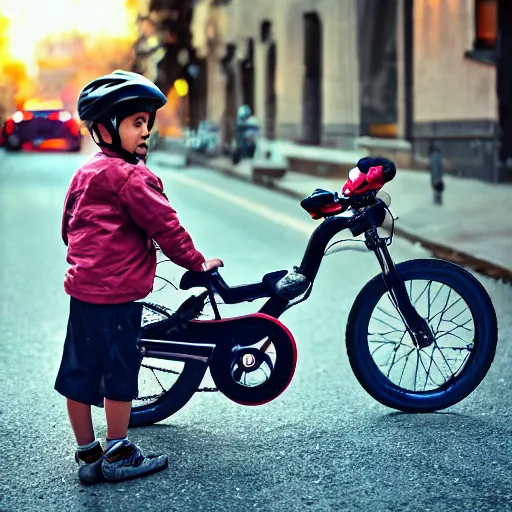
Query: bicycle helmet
x,y
110,98
243,113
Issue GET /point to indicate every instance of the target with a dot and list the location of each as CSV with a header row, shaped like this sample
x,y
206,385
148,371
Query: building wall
x,y
242,20
453,99
340,92
447,85
340,74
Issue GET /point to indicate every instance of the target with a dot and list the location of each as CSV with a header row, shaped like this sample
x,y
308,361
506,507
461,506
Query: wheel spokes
x,y
156,377
392,348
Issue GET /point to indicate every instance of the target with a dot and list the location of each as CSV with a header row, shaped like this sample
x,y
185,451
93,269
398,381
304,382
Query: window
x,y
265,31
486,24
486,32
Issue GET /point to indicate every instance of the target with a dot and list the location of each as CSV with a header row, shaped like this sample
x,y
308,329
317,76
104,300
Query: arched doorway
x,y
247,73
378,79
270,80
228,63
312,86
197,79
271,97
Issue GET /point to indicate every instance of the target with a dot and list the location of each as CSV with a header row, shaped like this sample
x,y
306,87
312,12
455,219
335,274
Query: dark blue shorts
x,y
100,357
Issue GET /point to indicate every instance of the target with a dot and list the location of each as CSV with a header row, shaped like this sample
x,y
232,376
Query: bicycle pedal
x,y
292,285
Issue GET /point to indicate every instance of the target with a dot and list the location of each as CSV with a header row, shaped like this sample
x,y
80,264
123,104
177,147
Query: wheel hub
x,y
248,360
423,339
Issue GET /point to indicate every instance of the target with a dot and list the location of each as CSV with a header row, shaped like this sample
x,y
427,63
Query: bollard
x,y
436,171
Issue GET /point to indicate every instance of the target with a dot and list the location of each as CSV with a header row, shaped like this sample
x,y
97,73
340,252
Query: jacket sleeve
x,y
65,217
143,196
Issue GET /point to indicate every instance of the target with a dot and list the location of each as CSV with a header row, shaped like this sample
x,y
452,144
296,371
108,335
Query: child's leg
x,y
118,417
122,460
81,421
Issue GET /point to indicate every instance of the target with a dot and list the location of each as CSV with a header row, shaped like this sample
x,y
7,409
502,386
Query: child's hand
x,y
211,264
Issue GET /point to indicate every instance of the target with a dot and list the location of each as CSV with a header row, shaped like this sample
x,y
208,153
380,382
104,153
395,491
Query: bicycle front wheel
x,y
402,376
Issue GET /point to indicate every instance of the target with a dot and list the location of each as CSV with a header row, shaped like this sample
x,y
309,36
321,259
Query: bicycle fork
x,y
417,327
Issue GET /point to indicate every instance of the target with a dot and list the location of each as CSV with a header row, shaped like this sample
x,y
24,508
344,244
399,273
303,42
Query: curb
x,y
439,250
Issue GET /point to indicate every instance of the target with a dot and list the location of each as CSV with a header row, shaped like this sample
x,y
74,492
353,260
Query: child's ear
x,y
104,134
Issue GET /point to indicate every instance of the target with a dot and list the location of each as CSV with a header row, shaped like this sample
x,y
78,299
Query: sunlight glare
x,y
31,21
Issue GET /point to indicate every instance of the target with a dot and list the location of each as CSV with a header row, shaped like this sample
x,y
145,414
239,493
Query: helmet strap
x,y
115,146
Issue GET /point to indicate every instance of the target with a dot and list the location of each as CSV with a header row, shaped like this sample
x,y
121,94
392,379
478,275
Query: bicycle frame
x,y
194,343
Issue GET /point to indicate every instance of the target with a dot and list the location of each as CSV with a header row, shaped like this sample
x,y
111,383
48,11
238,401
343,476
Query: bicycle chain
x,y
166,370
166,312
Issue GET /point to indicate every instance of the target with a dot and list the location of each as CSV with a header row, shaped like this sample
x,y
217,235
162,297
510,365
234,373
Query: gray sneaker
x,y
124,461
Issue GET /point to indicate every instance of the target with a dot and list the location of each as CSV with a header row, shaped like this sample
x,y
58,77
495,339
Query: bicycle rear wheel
x,y
165,386
384,358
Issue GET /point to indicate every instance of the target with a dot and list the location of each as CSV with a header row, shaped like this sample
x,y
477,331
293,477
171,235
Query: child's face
x,y
133,132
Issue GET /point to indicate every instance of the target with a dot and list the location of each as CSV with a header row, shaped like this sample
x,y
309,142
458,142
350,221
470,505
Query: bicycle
x,y
252,358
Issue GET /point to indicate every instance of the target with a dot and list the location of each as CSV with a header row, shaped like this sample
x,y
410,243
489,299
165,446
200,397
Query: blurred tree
x,y
19,84
6,86
15,71
67,63
4,24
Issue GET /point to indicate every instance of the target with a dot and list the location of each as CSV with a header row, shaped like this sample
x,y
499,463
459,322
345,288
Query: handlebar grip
x,y
199,279
193,279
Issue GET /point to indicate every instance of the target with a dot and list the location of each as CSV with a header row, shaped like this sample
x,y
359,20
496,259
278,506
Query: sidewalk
x,y
473,227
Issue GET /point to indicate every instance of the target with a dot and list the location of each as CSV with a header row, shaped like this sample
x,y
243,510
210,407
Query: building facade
x,y
389,75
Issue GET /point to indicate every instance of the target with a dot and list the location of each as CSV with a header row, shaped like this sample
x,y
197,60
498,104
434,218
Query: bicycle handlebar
x,y
212,280
364,200
369,212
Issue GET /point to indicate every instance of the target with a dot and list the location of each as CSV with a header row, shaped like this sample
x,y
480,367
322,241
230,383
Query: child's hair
x,y
110,98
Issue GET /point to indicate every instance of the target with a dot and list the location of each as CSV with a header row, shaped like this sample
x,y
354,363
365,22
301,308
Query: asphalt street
x,y
324,445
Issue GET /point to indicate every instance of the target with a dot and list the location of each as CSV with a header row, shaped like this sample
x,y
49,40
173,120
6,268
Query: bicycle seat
x,y
229,294
232,294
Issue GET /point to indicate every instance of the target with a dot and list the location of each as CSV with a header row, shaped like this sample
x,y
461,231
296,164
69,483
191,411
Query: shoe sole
x,y
133,477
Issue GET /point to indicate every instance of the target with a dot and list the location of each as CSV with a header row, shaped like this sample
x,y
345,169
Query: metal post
x,y
436,171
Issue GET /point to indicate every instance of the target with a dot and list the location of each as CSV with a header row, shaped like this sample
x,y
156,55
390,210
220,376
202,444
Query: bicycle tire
x,y
173,399
178,395
456,388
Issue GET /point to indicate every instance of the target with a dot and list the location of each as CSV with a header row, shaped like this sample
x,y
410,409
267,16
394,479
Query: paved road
x,y
323,445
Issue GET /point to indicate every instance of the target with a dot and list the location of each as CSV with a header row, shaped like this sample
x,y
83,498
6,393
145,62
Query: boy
x,y
114,209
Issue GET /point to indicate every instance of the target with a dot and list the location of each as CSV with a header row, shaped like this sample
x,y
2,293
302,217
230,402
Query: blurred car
x,y
42,125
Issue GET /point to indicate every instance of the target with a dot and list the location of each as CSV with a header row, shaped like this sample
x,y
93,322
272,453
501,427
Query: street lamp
x,y
181,87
